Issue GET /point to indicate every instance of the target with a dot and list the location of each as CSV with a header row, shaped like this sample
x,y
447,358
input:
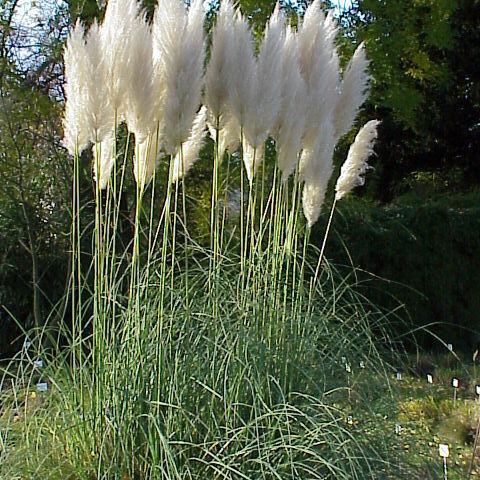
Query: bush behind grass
x,y
428,250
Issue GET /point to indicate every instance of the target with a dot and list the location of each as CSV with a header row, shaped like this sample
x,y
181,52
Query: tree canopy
x,y
426,89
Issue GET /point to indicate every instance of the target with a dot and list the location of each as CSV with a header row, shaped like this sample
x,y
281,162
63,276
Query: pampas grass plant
x,y
191,361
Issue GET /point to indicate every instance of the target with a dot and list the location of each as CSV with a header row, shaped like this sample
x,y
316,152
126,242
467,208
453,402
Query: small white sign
x,y
348,368
455,382
350,420
429,378
362,364
477,389
42,387
398,429
443,450
399,376
450,347
38,363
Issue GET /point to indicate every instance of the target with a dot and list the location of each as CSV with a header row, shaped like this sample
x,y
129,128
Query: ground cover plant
x,y
238,355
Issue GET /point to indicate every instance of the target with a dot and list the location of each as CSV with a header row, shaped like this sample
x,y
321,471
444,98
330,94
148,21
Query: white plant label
x,y
455,382
27,343
398,429
443,450
450,347
350,420
477,389
38,363
42,387
348,368
399,376
362,364
429,378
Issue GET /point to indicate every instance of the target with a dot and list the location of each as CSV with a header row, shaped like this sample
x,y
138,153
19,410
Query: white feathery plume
x,y
146,157
256,86
319,66
115,32
318,165
265,91
228,135
139,104
219,70
318,60
312,200
106,160
179,54
242,70
76,78
290,124
191,148
352,92
101,115
252,157
355,166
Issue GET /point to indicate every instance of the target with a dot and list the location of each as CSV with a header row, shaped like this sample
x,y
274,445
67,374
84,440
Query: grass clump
x,y
238,357
239,398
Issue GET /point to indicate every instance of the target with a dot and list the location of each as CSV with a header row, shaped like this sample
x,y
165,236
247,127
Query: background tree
x,y
35,176
426,89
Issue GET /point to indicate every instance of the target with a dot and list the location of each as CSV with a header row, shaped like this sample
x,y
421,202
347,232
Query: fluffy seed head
x,y
319,66
100,112
229,134
265,91
75,124
242,70
316,167
217,79
115,32
252,158
290,123
139,102
103,160
352,93
179,54
355,166
188,155
147,150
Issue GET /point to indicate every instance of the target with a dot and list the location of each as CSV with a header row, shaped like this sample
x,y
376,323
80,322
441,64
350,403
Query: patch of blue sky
x,y
31,25
341,5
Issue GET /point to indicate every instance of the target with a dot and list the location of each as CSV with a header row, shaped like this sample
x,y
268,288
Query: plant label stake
x,y
38,363
348,368
42,387
450,347
399,376
429,378
350,420
455,384
477,391
362,364
398,429
444,453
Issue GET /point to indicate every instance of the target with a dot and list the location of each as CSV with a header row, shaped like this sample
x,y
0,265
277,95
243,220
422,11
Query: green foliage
x,y
407,42
425,250
425,89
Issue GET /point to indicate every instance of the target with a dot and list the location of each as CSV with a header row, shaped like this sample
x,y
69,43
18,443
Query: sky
x,y
29,11
31,22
